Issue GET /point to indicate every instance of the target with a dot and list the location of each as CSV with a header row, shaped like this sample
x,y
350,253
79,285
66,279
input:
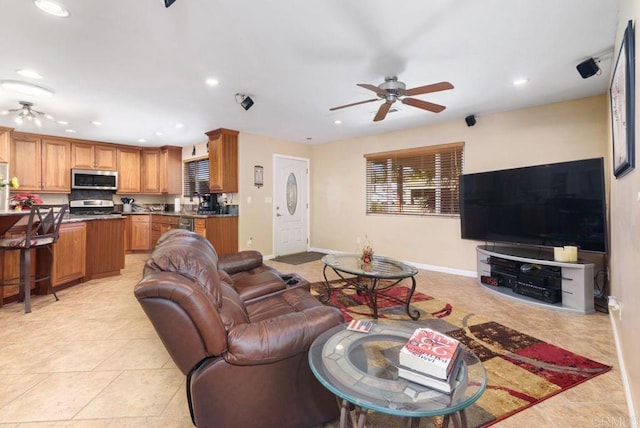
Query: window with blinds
x,y
419,181
196,177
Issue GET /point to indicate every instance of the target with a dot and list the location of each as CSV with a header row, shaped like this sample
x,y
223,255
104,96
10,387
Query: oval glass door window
x,y
292,193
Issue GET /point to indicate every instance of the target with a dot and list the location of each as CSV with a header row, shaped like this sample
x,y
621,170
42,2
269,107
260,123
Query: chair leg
x,y
51,273
25,279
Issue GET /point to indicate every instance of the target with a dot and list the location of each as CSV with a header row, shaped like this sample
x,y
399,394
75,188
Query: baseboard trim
x,y
443,269
633,418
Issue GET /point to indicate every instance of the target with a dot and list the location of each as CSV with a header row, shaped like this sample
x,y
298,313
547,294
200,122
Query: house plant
x,y
24,201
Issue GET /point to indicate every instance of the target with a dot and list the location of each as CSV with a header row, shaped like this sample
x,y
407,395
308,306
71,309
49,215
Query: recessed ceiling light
x,y
63,122
520,82
141,140
96,122
25,88
4,112
159,133
29,73
70,131
337,121
179,125
48,116
52,8
212,82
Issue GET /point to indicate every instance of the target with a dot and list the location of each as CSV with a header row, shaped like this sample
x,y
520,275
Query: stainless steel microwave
x,y
96,180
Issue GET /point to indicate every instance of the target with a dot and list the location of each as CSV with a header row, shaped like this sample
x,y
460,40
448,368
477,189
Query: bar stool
x,y
43,230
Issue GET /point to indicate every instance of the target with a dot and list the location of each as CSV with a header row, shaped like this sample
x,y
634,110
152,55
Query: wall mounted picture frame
x,y
622,93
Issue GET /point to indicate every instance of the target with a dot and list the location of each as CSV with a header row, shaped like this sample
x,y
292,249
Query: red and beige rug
x,y
521,370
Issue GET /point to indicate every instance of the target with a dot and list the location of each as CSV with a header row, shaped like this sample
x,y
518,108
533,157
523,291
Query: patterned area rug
x,y
521,370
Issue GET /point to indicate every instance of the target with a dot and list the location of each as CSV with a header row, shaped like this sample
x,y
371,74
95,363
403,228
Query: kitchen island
x,y
89,246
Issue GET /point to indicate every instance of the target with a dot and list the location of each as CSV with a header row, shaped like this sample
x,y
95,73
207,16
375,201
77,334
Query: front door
x,y
291,229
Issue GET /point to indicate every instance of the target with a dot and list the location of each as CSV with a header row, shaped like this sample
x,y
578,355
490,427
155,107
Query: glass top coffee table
x,y
370,278
361,369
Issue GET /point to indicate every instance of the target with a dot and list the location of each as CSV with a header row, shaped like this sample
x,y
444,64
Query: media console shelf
x,y
533,276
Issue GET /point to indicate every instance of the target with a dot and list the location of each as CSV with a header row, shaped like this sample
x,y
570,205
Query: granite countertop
x,y
177,214
75,218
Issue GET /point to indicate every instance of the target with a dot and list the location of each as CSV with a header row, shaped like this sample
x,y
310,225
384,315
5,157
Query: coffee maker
x,y
208,203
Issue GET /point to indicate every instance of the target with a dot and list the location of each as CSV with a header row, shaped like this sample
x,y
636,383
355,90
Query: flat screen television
x,y
544,205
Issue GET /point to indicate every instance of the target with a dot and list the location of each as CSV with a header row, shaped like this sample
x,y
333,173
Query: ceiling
x,y
140,68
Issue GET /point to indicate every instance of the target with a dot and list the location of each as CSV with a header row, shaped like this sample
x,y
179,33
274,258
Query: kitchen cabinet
x,y
223,161
48,165
10,265
140,232
160,224
150,170
5,144
105,247
93,156
128,170
162,170
200,227
69,256
127,233
171,170
222,232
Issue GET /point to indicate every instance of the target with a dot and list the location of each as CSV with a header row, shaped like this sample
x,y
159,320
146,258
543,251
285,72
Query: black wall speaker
x,y
588,68
471,120
168,3
246,103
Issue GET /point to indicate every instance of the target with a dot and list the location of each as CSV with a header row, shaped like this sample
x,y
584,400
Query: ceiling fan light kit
x,y
392,90
27,113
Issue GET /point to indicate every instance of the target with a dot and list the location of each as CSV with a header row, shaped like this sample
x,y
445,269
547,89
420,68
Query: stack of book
x,y
431,359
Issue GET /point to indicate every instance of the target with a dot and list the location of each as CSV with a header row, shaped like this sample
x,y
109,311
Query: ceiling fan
x,y
27,112
392,90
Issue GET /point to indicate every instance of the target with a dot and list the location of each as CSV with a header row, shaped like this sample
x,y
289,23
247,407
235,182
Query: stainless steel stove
x,y
91,206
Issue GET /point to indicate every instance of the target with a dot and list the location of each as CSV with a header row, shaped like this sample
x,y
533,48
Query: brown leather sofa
x,y
246,362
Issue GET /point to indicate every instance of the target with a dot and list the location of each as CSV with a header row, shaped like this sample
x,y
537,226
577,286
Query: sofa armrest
x,y
240,261
278,338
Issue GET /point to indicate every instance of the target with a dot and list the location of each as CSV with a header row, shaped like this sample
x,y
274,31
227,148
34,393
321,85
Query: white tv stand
x,y
576,277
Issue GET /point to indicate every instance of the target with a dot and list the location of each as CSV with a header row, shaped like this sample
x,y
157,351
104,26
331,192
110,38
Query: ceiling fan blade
x,y
425,105
373,88
382,112
354,104
434,87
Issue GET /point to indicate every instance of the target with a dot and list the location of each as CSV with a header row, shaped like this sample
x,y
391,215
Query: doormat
x,y
300,258
521,370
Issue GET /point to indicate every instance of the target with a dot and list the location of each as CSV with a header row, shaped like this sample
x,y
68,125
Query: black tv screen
x,y
544,205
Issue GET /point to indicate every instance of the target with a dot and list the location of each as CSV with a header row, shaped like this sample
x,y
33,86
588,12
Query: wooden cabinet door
x,y
93,156
5,144
199,226
127,233
56,174
140,232
105,157
11,266
171,170
82,155
222,232
26,162
223,161
128,170
151,171
69,262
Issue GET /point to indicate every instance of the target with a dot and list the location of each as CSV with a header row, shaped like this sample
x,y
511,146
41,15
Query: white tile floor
x,y
93,359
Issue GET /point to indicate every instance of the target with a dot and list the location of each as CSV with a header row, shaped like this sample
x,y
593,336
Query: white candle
x,y
559,254
571,253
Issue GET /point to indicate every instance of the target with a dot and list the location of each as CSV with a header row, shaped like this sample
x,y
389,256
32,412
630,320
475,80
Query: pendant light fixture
x,y
27,113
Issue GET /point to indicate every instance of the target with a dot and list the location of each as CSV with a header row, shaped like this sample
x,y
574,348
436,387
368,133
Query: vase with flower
x,y
367,253
24,201
5,184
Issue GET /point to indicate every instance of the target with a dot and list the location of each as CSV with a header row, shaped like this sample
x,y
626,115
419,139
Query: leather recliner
x,y
246,362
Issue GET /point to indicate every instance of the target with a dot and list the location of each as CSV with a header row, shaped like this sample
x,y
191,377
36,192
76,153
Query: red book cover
x,y
430,352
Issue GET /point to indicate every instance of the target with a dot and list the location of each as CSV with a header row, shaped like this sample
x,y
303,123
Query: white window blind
x,y
418,181
196,177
